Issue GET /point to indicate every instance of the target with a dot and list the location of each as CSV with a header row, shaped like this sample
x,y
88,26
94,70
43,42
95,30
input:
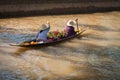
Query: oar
x,y
77,24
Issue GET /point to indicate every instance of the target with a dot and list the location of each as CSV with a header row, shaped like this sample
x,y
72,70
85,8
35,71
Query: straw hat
x,y
43,27
71,23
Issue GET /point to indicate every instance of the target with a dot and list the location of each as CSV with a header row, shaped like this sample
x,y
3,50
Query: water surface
x,y
94,56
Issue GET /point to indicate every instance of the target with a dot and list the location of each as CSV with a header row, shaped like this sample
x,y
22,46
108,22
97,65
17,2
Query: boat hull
x,y
48,43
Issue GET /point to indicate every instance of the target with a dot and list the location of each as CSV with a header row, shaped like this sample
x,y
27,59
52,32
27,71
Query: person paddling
x,y
69,30
42,34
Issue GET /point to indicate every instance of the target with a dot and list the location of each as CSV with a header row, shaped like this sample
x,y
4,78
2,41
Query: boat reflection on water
x,y
94,56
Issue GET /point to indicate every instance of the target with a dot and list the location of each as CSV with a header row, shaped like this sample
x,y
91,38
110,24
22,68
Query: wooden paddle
x,y
77,24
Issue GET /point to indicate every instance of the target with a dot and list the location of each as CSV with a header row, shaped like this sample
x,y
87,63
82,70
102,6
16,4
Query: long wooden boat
x,y
23,44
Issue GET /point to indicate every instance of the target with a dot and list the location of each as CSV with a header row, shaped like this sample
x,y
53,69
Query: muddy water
x,y
94,56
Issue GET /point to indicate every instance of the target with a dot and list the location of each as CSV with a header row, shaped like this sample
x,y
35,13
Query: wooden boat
x,y
23,44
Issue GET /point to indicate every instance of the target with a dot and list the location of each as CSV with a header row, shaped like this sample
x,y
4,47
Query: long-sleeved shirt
x,y
69,31
42,34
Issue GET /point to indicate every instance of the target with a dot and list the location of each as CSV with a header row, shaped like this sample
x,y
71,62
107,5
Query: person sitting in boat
x,y
42,34
69,30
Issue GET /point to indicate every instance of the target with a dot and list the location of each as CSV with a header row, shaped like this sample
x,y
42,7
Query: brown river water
x,y
94,55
